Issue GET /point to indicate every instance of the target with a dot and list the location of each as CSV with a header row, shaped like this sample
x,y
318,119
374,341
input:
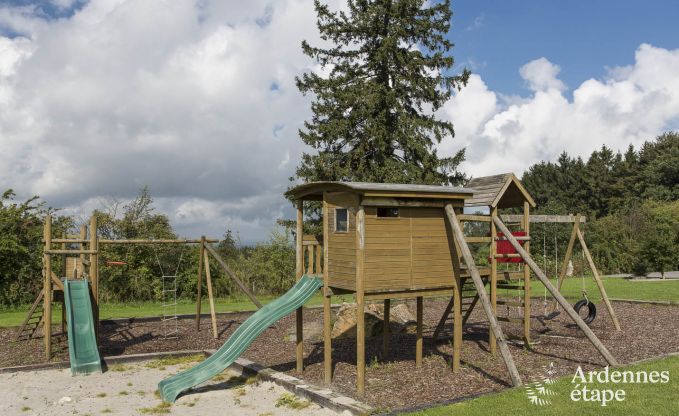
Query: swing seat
x,y
505,247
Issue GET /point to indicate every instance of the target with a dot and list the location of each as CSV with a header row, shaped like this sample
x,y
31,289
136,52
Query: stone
x,y
313,331
401,320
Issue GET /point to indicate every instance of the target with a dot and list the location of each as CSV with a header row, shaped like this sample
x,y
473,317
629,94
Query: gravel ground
x,y
648,331
131,390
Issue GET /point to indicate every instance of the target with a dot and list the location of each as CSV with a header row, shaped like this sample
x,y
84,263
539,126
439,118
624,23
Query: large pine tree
x,y
387,70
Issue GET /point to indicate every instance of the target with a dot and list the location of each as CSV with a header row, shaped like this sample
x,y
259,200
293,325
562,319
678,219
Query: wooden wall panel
x,y
342,246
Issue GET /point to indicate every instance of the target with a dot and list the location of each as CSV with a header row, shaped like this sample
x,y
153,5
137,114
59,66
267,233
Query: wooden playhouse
x,y
398,241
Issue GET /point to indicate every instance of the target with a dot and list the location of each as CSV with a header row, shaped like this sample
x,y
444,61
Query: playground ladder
x,y
168,308
33,319
469,299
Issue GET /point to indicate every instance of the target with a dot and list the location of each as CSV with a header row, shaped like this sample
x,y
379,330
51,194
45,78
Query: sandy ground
x,y
131,390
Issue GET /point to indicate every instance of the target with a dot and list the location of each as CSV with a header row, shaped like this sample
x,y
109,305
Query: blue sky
x,y
495,37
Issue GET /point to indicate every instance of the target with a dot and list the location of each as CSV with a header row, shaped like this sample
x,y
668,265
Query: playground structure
x,y
395,241
380,242
81,262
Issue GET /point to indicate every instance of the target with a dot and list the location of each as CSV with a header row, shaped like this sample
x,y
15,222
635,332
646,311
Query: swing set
x,y
551,312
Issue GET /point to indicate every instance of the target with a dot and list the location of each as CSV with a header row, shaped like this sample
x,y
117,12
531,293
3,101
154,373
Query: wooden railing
x,y
313,246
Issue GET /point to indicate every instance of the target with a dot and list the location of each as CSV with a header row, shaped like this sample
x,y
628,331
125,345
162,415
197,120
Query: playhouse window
x,y
387,212
341,220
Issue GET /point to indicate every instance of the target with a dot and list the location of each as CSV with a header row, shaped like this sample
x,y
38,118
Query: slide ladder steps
x,y
469,298
32,321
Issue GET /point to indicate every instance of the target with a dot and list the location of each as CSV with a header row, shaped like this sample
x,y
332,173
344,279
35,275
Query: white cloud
x,y
631,105
196,99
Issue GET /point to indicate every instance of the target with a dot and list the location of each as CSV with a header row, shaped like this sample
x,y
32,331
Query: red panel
x,y
505,247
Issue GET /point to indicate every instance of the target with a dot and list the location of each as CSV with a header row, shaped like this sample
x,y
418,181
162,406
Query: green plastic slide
x,y
237,343
82,343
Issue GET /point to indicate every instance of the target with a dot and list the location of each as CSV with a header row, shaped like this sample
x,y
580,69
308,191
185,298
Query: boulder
x,y
401,320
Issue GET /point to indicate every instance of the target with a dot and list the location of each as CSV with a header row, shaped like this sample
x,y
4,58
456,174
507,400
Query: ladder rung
x,y
507,319
512,287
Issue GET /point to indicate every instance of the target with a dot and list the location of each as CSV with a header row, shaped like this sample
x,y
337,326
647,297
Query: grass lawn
x,y
616,288
10,318
640,399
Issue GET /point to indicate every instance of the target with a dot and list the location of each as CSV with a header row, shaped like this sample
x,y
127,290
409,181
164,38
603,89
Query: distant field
x,y
615,287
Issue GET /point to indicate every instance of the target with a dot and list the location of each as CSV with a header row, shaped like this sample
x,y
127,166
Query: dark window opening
x,y
387,212
341,220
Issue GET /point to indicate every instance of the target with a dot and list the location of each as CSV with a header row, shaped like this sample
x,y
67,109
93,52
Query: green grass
x,y
616,288
14,317
640,399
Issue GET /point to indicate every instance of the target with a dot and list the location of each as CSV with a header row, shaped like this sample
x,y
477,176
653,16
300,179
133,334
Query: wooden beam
x,y
159,241
208,279
386,330
483,297
474,218
599,283
47,288
199,282
559,298
418,338
83,260
443,319
566,259
526,278
492,344
94,273
545,218
299,271
360,301
327,302
233,276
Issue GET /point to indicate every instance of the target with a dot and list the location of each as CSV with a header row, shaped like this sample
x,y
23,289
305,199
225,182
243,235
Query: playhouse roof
x,y
314,190
502,191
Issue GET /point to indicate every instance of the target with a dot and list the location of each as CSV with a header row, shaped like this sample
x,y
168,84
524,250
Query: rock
x,y
345,324
401,320
64,399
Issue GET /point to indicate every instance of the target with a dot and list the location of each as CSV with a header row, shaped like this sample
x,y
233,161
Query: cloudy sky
x,y
196,98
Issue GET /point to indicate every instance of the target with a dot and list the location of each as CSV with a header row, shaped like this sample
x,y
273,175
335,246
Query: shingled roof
x,y
501,191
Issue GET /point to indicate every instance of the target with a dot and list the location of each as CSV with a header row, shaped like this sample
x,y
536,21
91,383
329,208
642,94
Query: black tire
x,y
591,310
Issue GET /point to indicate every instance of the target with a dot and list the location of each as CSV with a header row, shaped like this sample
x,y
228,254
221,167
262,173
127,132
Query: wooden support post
x,y
199,282
319,269
208,279
63,300
360,301
559,298
526,278
299,323
83,238
457,323
492,344
566,259
386,330
236,280
310,255
47,288
327,311
597,279
483,297
94,274
418,343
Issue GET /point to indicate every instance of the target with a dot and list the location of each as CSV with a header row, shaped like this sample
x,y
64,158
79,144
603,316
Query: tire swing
x,y
591,308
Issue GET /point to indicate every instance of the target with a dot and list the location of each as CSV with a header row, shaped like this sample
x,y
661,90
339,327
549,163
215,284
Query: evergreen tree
x,y
374,119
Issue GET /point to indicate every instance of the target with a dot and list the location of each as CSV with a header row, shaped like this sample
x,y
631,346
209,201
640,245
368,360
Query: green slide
x,y
237,343
82,344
